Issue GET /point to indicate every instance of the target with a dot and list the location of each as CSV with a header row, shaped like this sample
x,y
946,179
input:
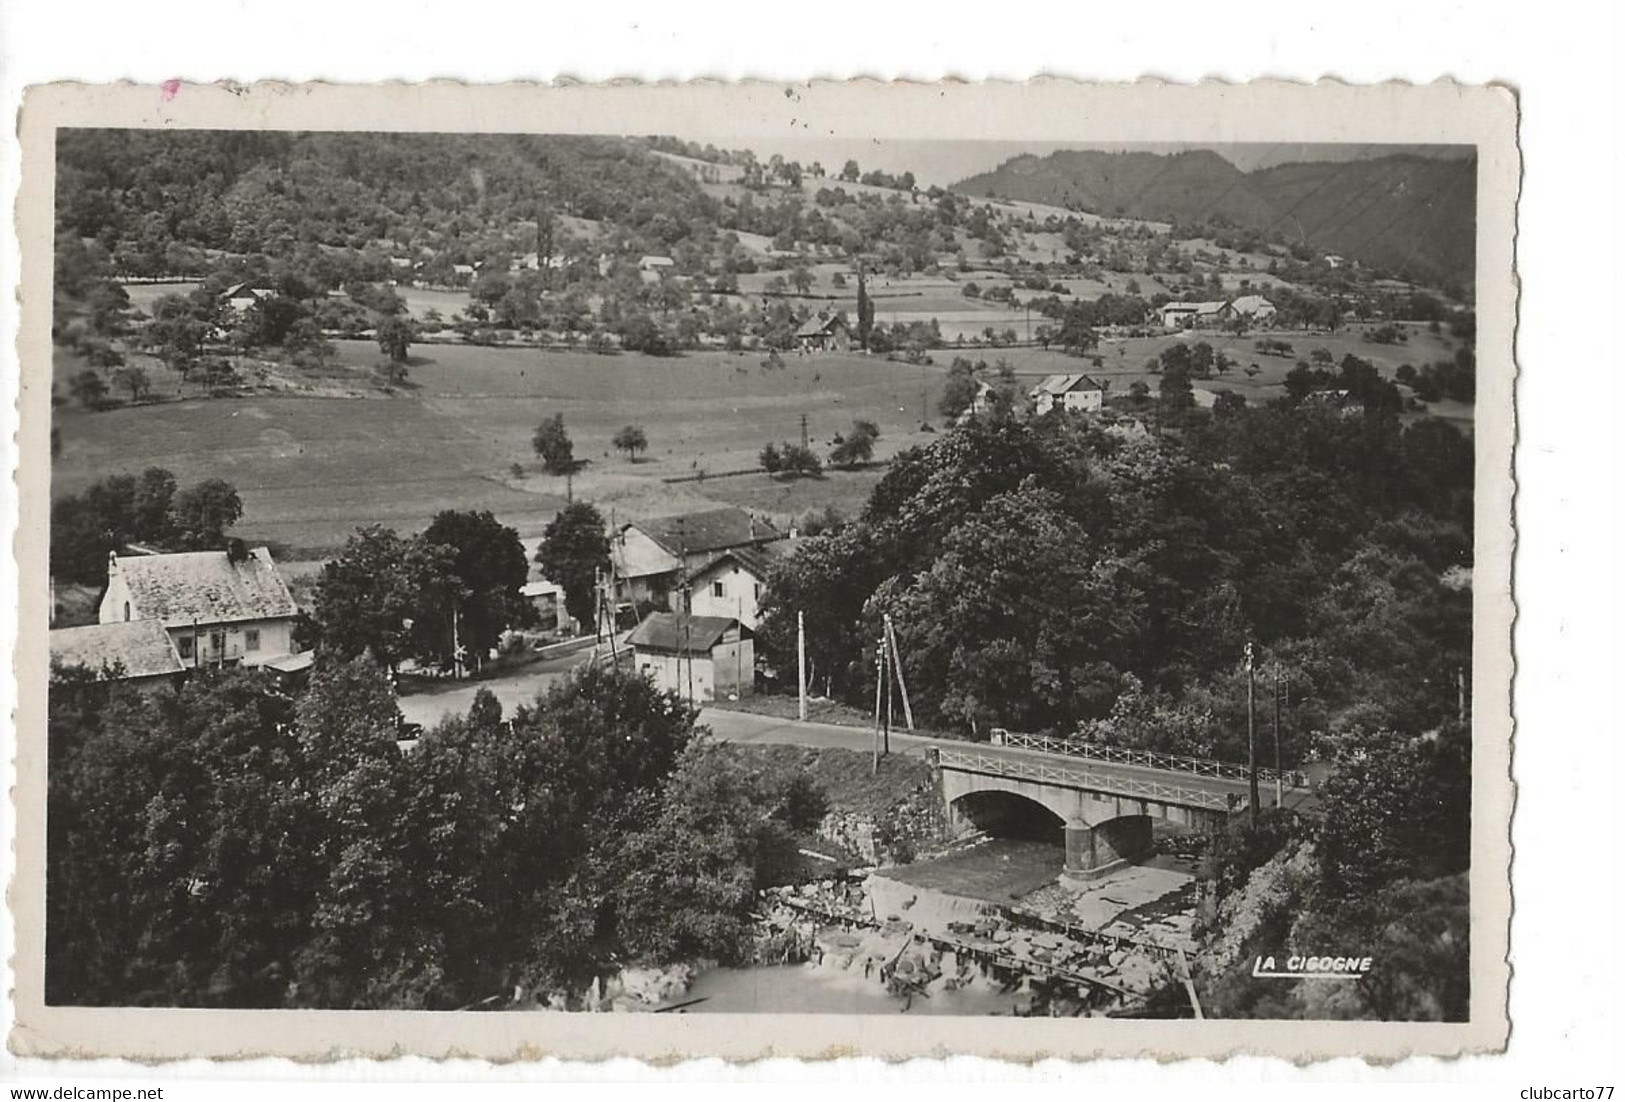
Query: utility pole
x,y
880,662
885,673
1277,734
1252,747
1461,695
803,431
897,668
801,666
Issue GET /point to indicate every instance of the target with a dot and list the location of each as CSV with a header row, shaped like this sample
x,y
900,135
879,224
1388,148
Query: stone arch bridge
x,y
1102,798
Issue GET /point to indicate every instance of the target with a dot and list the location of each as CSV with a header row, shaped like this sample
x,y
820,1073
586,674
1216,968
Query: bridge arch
x,y
1007,814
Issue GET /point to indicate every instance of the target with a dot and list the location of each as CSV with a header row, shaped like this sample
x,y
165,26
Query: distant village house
x,y
824,332
1074,393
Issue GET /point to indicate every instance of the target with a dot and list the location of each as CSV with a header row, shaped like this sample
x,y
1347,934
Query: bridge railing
x,y
1071,777
1122,755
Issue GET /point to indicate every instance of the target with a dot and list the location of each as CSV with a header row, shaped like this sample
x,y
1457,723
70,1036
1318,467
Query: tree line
x,y
228,846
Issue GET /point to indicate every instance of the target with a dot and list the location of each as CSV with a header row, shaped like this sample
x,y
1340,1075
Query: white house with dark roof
x,y
139,651
220,608
732,583
650,557
1074,393
697,657
1177,315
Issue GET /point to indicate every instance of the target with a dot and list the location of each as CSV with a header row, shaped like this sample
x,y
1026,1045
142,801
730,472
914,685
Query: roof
x,y
678,633
757,560
656,262
816,326
711,530
291,663
1251,304
142,647
1065,384
1193,307
540,588
205,587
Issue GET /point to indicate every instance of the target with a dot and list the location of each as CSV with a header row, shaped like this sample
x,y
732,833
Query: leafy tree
x,y
574,553
631,440
89,389
771,458
201,514
857,446
552,443
369,598
135,380
488,568
395,336
959,393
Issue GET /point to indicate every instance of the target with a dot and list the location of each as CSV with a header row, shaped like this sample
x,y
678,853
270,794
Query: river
x,y
828,989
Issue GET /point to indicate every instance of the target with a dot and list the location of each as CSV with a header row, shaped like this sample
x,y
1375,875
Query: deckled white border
x,y
1043,110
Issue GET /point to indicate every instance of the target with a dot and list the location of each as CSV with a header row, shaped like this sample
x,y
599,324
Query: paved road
x,y
431,706
747,727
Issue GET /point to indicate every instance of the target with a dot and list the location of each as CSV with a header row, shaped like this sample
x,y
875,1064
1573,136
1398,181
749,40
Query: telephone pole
x,y
1252,744
801,666
1277,734
804,432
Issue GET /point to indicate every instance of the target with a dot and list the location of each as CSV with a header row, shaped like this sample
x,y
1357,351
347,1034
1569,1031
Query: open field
x,y
310,470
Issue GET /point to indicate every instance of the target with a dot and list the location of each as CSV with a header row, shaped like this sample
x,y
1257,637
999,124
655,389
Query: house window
x,y
716,590
758,593
217,642
251,639
126,610
184,645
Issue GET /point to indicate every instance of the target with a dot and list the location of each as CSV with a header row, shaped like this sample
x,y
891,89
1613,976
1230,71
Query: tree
x,y
552,443
135,380
487,563
369,598
771,458
960,390
395,336
801,279
631,440
857,446
574,554
201,514
89,389
850,172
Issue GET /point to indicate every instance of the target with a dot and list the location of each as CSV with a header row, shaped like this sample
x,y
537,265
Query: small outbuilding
x,y
700,658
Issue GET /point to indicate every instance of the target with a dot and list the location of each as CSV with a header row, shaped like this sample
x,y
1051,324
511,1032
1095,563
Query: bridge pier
x,y
1093,851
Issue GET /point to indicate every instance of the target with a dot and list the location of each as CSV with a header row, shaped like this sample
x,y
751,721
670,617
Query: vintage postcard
x,y
737,570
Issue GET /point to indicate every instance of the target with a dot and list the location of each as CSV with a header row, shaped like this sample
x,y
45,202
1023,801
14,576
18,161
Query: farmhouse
x,y
699,658
652,269
1255,308
823,333
220,608
1178,315
139,652
731,582
1069,392
650,557
240,296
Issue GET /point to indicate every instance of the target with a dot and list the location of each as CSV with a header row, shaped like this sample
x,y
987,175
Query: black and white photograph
x,y
694,572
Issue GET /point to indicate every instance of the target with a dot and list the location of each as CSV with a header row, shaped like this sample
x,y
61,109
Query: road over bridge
x,y
1103,798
